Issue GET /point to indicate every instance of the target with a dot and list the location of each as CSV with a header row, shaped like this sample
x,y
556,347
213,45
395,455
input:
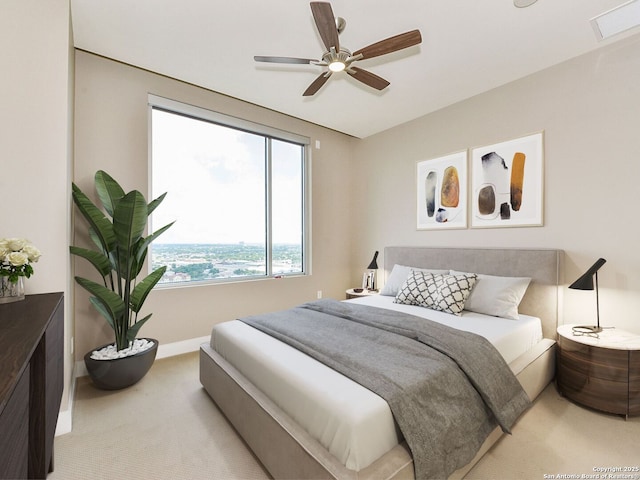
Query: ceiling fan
x,y
338,58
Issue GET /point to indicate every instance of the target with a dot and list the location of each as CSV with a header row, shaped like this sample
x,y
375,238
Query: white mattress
x,y
351,422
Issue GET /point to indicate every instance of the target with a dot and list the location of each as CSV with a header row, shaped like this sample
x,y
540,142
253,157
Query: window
x,y
236,190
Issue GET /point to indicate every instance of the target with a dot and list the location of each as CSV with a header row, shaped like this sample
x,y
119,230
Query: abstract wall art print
x,y
507,183
442,192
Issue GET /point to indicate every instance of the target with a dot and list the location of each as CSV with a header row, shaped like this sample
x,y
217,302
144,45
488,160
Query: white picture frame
x,y
507,183
441,192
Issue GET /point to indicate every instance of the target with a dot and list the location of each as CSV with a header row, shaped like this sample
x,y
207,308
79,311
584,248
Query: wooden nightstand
x,y
351,293
601,373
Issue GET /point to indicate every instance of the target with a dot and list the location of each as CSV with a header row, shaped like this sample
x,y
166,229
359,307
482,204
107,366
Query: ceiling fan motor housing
x,y
339,59
342,58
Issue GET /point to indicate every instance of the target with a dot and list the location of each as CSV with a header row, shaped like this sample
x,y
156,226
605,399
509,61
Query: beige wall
x,y
589,109
35,137
111,134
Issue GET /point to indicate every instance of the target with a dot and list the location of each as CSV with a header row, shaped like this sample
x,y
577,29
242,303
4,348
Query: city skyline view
x,y
203,262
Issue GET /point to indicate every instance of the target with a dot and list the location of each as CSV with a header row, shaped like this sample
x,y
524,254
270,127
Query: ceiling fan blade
x,y
317,84
326,23
391,44
368,78
259,58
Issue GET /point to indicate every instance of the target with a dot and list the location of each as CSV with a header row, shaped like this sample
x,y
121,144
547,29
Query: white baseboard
x,y
64,424
65,417
184,346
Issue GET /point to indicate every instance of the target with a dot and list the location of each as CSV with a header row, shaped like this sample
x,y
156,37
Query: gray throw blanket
x,y
446,388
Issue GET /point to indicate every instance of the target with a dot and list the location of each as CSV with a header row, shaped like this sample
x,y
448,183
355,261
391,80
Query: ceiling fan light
x,y
337,66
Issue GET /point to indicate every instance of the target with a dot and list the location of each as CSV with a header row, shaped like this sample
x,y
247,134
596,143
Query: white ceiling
x,y
468,47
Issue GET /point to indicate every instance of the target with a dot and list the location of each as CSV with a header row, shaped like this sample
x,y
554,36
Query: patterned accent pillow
x,y
419,288
399,274
445,293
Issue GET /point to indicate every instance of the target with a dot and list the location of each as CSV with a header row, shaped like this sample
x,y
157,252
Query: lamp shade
x,y
374,263
585,282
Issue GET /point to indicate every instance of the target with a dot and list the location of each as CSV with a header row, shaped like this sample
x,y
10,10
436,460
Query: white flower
x,y
16,244
17,259
32,252
4,248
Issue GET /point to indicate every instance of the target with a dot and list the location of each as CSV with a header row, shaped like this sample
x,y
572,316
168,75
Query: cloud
x,y
214,177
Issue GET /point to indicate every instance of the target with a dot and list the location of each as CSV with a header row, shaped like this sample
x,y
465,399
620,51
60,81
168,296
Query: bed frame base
x,y
286,450
289,452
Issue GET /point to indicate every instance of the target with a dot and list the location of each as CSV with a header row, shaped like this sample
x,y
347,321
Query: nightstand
x,y
351,293
600,372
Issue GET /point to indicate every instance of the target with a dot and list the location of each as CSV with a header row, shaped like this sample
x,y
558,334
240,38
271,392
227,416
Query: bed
x,y
297,439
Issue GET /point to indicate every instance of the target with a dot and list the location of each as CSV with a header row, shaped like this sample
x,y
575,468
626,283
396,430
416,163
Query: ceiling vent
x,y
617,20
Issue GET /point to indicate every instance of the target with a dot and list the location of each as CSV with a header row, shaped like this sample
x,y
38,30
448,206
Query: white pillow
x,y
445,293
497,296
397,277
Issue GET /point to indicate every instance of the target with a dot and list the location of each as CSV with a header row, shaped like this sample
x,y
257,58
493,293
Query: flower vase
x,y
11,292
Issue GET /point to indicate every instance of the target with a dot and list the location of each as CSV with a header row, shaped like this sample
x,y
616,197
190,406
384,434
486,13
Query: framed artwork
x,y
507,183
442,192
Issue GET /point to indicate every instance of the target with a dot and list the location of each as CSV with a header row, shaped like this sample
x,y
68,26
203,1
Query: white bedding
x,y
351,422
510,337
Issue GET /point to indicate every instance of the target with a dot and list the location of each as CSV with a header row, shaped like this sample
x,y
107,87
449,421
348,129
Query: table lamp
x,y
585,282
370,275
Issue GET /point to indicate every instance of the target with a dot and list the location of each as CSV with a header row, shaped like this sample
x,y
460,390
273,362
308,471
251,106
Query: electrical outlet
x,y
319,294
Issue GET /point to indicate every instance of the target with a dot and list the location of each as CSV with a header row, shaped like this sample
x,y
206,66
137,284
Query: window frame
x,y
269,133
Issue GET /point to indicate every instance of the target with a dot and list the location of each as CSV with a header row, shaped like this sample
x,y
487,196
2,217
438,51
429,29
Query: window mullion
x,y
304,211
268,205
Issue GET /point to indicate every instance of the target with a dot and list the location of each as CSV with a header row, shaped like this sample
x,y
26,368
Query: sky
x,y
214,179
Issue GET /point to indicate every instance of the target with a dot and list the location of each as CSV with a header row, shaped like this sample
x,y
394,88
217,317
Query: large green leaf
x,y
109,191
126,263
132,333
102,227
138,258
154,203
141,248
143,288
99,306
110,300
97,259
130,219
96,239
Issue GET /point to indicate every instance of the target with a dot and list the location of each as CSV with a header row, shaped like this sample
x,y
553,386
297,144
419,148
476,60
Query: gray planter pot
x,y
120,373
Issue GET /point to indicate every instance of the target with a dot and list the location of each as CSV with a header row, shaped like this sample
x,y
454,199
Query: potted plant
x,y
119,258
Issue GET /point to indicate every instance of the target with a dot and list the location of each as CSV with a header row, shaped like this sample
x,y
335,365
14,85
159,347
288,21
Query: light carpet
x,y
167,427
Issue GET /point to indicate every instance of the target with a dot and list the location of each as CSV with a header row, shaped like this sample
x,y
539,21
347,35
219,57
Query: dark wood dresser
x,y
600,372
31,383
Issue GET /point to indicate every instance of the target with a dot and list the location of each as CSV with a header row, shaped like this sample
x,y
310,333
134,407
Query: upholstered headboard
x,y
543,266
